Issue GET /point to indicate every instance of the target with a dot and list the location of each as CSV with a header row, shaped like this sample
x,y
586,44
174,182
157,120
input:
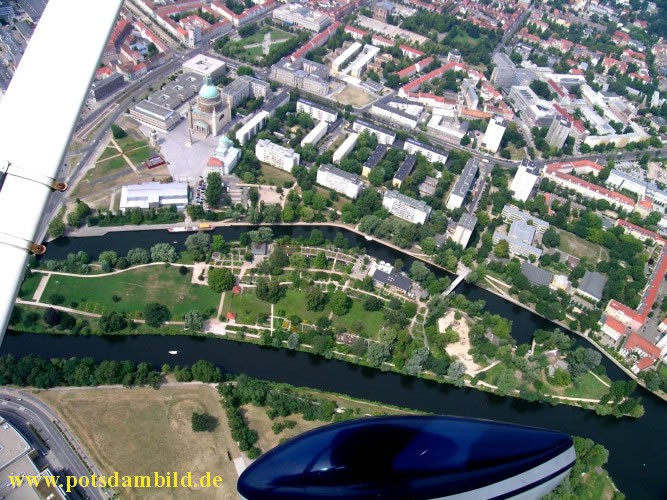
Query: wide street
x,y
31,411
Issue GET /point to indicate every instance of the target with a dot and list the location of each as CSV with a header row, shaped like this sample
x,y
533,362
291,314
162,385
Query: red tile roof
x,y
615,325
638,229
638,342
604,192
625,310
644,363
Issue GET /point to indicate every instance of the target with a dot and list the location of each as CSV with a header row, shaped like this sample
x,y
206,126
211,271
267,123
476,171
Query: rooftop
x,y
340,173
468,221
376,156
593,284
411,202
394,279
536,276
466,179
406,167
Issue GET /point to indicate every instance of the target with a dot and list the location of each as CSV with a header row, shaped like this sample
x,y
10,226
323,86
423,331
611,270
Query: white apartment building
x,y
358,66
297,15
405,207
316,111
434,155
464,229
315,135
524,180
383,135
402,112
494,134
345,148
252,127
340,181
276,155
463,185
344,57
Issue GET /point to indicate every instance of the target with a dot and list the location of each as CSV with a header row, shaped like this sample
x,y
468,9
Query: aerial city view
x,y
273,216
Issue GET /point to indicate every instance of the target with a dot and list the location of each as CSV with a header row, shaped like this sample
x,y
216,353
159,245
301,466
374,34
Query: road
x,y
32,411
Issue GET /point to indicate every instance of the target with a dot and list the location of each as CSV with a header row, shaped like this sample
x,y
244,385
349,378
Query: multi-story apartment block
x,y
276,155
252,127
463,185
464,229
384,136
244,87
405,207
340,181
302,17
434,155
316,111
345,148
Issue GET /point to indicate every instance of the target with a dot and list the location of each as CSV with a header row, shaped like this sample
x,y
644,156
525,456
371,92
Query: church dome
x,y
208,90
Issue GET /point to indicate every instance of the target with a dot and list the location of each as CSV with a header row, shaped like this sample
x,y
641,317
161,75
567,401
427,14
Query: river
x,y
637,453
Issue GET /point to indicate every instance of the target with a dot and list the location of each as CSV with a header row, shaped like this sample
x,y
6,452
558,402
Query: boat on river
x,y
413,457
191,229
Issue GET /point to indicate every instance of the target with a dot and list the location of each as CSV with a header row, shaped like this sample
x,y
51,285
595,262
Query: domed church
x,y
209,114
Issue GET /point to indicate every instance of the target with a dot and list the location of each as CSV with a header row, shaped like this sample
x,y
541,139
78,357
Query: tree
x,y
502,249
415,364
269,290
340,303
52,317
455,372
199,244
261,235
220,279
378,353
293,341
419,271
111,322
138,256
163,252
316,299
373,304
506,382
118,132
213,192
155,314
203,422
541,89
219,244
551,238
56,228
206,372
194,320
245,70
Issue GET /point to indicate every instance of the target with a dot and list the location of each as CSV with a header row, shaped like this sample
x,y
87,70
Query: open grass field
x,y
29,286
359,321
294,303
261,423
140,431
136,288
587,387
572,244
246,306
354,96
275,176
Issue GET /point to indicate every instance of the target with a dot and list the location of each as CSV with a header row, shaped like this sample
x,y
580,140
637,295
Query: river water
x,y
637,452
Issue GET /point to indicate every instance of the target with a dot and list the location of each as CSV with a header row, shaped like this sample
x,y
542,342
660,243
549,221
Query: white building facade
x,y
276,155
339,180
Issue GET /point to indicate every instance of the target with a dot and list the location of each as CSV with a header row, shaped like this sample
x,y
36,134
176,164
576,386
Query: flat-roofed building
x,y
405,169
347,54
101,89
316,111
559,131
358,66
302,74
297,15
494,134
346,147
405,207
432,154
510,213
520,239
339,180
399,111
374,159
154,115
463,185
204,65
592,286
244,87
276,155
464,229
524,180
252,127
154,195
383,135
315,135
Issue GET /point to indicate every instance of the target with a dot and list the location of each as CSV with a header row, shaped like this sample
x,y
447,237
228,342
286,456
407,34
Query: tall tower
x,y
153,138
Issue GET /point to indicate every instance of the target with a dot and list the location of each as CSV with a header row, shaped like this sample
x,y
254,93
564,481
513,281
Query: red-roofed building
x,y
640,233
624,314
620,38
355,33
380,41
315,42
612,331
644,77
557,88
103,72
591,190
415,68
411,53
231,316
638,346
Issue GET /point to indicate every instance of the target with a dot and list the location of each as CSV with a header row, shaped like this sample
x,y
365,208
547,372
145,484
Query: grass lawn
x,y
139,155
588,387
294,302
572,244
108,166
29,286
246,306
597,486
275,176
140,431
136,288
359,321
129,143
663,369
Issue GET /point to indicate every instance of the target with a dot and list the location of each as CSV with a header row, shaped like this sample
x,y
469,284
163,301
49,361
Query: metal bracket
x,y
8,168
23,244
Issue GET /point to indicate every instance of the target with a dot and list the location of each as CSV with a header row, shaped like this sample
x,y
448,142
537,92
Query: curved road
x,y
30,410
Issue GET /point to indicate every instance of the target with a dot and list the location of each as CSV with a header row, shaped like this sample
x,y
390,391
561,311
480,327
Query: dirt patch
x,y
460,348
141,431
354,96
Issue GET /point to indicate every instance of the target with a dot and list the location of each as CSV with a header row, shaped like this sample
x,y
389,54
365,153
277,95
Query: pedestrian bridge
x,y
463,274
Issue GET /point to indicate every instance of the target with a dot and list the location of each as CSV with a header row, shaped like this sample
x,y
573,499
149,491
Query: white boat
x,y
172,352
369,238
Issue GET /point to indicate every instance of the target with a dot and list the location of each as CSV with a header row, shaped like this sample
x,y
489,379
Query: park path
x,y
516,391
40,288
117,271
125,157
601,381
